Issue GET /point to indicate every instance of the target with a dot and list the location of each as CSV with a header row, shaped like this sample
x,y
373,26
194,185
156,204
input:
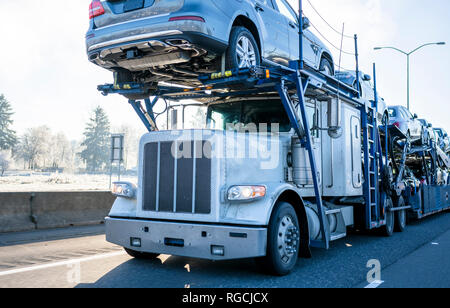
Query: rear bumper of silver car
x,y
155,49
129,39
186,239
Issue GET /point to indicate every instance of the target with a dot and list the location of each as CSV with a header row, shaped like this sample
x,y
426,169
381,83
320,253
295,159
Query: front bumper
x,y
197,239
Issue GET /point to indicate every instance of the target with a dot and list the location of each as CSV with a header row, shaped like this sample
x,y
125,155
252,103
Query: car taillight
x,y
195,18
397,124
96,9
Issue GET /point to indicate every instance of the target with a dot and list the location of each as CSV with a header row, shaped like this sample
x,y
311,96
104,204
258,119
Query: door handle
x,y
259,8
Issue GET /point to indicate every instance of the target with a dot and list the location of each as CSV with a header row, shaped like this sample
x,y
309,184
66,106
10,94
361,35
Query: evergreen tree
x,y
8,137
97,141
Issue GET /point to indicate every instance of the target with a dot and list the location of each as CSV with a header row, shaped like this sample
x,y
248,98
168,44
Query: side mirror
x,y
306,23
415,116
367,78
445,135
430,125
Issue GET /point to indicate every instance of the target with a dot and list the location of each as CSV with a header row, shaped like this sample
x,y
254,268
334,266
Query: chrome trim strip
x,y
134,38
131,21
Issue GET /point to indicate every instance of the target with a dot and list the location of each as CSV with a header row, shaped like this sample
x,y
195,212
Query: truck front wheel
x,y
141,255
283,241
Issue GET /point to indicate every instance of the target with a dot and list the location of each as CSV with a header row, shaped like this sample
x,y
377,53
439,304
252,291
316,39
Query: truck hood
x,y
185,175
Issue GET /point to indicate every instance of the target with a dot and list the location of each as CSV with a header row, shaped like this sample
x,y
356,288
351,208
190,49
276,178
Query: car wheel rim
x,y
246,54
288,237
326,70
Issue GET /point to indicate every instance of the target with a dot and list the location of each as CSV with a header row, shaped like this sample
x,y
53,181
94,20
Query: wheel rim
x,y
326,70
246,54
288,237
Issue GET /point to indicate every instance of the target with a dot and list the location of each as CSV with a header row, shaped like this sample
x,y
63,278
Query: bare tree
x,y
58,151
4,164
33,146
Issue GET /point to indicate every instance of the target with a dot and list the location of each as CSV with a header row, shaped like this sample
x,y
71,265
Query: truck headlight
x,y
124,190
246,193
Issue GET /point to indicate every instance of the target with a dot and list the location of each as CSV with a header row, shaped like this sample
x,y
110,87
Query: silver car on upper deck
x,y
151,41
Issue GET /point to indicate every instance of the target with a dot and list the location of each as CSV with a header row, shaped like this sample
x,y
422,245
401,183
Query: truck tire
x,y
400,216
141,255
243,50
283,241
388,229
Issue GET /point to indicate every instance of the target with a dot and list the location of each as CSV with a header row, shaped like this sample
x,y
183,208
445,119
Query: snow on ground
x,y
38,182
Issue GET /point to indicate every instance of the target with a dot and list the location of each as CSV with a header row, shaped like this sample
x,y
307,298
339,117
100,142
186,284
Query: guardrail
x,y
45,210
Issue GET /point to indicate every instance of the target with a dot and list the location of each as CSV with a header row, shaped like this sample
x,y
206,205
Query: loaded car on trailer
x,y
408,123
153,41
366,90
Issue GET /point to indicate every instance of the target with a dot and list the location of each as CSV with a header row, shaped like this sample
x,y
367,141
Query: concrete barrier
x,y
15,212
45,210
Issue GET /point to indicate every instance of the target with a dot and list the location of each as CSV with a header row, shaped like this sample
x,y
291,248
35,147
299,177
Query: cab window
x,y
287,10
267,3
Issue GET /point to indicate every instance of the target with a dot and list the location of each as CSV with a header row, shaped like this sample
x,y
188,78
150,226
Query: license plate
x,y
131,5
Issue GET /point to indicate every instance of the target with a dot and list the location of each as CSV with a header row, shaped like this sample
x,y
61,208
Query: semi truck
x,y
288,159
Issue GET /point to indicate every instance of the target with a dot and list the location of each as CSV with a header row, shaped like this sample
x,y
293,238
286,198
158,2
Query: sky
x,y
45,74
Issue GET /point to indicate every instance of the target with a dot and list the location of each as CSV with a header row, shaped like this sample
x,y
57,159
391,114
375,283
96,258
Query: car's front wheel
x,y
243,51
326,67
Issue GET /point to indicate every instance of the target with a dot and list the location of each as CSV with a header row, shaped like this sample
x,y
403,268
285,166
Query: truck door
x,y
355,130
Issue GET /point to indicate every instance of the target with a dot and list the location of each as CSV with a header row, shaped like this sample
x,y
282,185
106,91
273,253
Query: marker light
x,y
96,9
246,193
124,190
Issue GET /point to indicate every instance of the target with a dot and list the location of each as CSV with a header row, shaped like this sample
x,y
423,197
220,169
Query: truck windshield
x,y
231,116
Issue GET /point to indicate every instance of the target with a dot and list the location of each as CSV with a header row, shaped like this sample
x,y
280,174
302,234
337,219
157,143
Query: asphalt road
x,y
80,257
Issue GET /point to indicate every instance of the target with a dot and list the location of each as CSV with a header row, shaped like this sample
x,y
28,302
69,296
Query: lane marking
x,y
62,263
374,284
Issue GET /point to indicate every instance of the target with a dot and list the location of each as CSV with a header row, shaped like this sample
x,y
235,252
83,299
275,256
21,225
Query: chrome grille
x,y
180,184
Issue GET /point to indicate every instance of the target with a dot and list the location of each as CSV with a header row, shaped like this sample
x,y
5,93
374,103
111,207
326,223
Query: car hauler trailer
x,y
337,168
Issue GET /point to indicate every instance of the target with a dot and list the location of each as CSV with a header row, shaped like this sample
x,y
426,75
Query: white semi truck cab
x,y
212,193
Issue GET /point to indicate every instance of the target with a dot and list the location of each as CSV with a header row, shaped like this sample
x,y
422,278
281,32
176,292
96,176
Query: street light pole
x,y
408,54
408,80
